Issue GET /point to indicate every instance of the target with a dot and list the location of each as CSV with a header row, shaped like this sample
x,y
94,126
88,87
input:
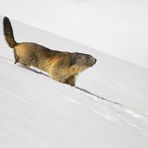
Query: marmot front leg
x,y
70,81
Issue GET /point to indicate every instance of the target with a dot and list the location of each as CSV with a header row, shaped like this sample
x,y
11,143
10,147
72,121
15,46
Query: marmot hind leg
x,y
70,81
16,57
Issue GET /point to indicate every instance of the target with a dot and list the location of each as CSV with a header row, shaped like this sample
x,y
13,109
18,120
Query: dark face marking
x,y
82,59
90,60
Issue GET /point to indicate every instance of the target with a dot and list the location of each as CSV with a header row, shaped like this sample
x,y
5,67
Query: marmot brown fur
x,y
61,66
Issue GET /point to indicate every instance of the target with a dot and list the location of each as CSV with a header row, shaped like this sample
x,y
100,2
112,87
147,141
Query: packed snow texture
x,y
108,109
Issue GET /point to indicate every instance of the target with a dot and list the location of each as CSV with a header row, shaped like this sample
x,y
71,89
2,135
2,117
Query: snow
x,y
110,110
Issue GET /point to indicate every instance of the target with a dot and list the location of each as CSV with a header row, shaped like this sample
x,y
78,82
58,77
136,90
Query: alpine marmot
x,y
61,66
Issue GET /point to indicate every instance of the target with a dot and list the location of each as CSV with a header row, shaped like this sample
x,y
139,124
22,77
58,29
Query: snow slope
x,y
38,112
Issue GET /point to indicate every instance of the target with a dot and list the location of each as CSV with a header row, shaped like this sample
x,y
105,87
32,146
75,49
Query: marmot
x,y
61,66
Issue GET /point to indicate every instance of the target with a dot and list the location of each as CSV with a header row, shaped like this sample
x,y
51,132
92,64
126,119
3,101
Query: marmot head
x,y
82,59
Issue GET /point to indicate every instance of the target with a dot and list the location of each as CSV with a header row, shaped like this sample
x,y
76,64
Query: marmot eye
x,y
89,56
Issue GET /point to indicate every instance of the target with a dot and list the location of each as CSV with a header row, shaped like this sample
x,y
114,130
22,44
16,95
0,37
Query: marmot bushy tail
x,y
8,32
61,66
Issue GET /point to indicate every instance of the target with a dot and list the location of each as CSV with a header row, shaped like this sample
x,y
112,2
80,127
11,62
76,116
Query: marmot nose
x,y
95,61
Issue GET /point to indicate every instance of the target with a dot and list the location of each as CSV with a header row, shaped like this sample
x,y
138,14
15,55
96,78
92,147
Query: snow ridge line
x,y
99,97
123,113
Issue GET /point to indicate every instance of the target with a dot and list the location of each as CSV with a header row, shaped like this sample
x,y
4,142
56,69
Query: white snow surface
x,y
38,112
